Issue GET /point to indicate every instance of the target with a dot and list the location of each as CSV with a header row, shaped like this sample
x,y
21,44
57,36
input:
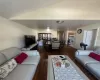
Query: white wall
x,y
79,37
35,33
11,34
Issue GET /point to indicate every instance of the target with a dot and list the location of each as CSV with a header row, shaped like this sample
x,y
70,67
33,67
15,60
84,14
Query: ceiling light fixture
x,y
60,22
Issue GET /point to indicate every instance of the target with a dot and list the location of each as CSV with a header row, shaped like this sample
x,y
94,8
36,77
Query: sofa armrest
x,y
83,52
32,46
32,53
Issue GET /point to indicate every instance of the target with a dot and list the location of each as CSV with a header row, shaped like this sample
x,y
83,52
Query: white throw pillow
x,y
11,64
4,71
7,68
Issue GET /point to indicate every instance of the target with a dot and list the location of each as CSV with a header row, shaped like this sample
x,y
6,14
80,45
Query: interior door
x,y
89,38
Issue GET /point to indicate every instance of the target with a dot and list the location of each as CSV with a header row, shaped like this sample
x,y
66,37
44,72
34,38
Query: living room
x,y
49,40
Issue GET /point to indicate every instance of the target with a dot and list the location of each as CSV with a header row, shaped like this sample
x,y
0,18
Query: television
x,y
29,40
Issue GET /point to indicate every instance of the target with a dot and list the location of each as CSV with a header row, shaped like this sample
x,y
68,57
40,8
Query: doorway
x,y
71,38
89,38
61,35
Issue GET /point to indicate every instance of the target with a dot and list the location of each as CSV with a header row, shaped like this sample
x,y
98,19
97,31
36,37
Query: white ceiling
x,y
66,9
44,13
68,24
50,9
10,8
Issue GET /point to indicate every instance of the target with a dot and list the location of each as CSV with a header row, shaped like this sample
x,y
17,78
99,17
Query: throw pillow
x,y
20,58
4,71
98,57
93,55
6,68
11,64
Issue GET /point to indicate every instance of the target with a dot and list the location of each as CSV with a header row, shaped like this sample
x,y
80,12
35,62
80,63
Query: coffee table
x,y
70,73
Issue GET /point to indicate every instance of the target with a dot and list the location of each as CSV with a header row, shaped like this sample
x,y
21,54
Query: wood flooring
x,y
41,72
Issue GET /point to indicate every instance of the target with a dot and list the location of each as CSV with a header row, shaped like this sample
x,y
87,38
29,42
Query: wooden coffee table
x,y
70,73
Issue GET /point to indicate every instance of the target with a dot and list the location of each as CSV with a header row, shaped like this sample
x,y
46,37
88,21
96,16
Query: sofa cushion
x,y
2,58
86,59
22,72
32,60
94,68
11,52
32,53
20,58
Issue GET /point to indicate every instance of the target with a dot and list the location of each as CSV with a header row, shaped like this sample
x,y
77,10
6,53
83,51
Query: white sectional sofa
x,y
24,71
92,65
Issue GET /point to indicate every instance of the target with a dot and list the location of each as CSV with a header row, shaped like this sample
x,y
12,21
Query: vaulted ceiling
x,y
31,12
50,9
11,8
65,9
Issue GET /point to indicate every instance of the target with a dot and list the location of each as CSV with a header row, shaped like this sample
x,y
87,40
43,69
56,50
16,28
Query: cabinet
x,y
44,36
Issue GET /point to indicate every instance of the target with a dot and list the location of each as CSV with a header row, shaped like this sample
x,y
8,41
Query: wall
x,y
35,33
11,34
79,37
